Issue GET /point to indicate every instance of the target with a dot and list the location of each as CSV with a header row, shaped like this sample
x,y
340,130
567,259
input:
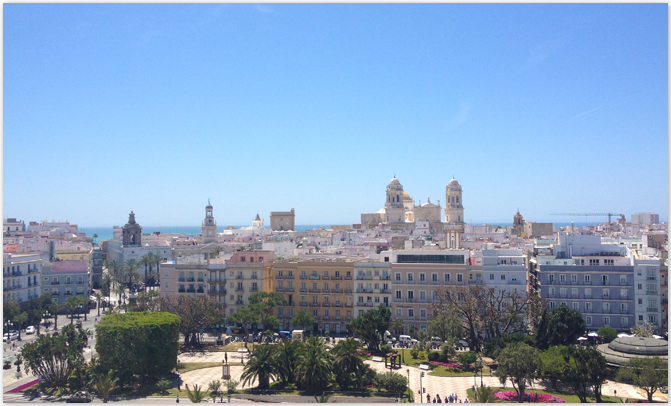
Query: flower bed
x,y
542,397
24,386
446,364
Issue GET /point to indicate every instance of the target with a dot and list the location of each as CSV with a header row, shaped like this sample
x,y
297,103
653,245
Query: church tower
x,y
209,225
257,223
131,233
454,211
394,206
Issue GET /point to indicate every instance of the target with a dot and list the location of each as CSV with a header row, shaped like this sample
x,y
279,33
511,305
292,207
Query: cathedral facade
x,y
401,213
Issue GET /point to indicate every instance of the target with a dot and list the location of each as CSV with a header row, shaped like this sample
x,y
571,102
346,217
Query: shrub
x,y
442,357
385,348
421,355
467,358
433,356
138,343
163,386
414,353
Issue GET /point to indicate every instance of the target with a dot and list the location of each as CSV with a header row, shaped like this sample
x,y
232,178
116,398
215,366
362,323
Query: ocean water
x,y
106,233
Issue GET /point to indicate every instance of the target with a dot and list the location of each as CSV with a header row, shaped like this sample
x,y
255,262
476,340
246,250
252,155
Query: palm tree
x,y
114,266
196,395
146,261
131,267
484,394
261,365
347,362
105,384
108,279
84,303
55,308
286,358
121,290
99,298
314,364
19,319
157,260
72,304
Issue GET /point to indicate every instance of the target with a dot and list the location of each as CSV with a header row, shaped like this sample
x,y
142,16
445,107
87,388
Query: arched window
x,y
457,199
397,198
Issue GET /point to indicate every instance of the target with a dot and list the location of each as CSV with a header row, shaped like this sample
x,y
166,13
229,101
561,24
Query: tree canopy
x,y
521,364
560,326
371,326
649,374
195,313
303,319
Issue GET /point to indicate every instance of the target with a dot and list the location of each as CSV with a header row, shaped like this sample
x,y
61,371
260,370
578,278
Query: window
x,y
398,276
242,259
623,293
447,277
460,277
574,278
652,319
411,313
640,286
314,313
260,259
281,313
562,278
604,280
411,294
422,277
562,292
399,313
422,295
67,280
291,313
552,292
640,301
606,293
608,262
552,305
594,262
398,294
588,306
503,277
588,278
491,276
640,317
623,307
606,320
434,277
574,292
606,307
422,313
588,320
409,275
551,278
575,305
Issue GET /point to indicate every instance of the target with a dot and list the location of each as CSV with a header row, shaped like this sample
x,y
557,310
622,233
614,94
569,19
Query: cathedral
x,y
400,213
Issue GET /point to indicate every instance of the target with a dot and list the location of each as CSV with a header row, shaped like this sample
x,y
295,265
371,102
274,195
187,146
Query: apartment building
x,y
596,279
417,274
245,275
648,290
21,277
323,289
504,270
372,282
217,280
66,278
186,275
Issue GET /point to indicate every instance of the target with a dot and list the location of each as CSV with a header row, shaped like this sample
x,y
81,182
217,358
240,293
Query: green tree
x,y
115,268
286,357
163,386
55,358
195,314
130,269
314,365
521,364
72,304
347,362
371,325
10,309
214,386
106,283
446,325
262,303
650,374
261,366
391,381
99,298
55,308
324,398
138,343
146,261
607,334
197,395
121,291
157,261
104,384
397,326
561,326
553,364
19,320
245,316
303,319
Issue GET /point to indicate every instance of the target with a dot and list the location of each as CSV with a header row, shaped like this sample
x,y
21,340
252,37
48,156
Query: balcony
x,y
68,293
200,290
336,291
191,290
55,283
514,282
280,277
290,289
239,289
422,318
304,303
314,277
239,276
588,295
326,304
653,310
337,304
472,282
313,290
326,277
314,304
605,283
651,292
304,290
364,277
337,318
238,302
326,317
398,300
422,282
182,280
254,289
348,278
191,279
291,304
336,278
290,277
605,310
254,277
348,305
55,293
624,311
385,290
34,270
623,283
363,290
435,283
348,291
280,290
303,277
385,277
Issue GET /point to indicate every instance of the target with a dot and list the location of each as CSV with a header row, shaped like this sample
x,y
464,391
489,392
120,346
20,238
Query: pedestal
x,y
225,371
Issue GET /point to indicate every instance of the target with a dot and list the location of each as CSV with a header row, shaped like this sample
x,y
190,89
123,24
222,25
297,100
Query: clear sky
x,y
156,108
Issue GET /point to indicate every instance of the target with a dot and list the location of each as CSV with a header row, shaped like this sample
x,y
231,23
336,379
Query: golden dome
x,y
406,196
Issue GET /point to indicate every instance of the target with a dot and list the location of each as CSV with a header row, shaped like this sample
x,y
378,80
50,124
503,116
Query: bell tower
x,y
394,206
131,233
454,210
209,225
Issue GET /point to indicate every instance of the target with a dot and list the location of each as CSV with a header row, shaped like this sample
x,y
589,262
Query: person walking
x,y
428,398
438,399
177,400
446,400
450,398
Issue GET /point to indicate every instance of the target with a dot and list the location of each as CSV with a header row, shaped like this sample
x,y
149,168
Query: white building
x,y
647,219
21,277
647,290
504,270
372,286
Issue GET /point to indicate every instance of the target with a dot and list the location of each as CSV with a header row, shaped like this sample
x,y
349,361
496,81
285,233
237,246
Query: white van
x,y
436,340
406,340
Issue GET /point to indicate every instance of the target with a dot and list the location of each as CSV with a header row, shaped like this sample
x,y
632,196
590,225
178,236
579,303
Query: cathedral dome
x,y
406,196
453,185
394,181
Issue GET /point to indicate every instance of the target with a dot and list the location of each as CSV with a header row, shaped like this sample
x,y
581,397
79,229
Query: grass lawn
x,y
190,366
437,370
566,396
443,371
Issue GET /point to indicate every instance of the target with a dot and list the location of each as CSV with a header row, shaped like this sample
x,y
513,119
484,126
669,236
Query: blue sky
x,y
156,108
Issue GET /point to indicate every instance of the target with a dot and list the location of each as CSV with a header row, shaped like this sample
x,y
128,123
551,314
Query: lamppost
x,y
421,388
408,371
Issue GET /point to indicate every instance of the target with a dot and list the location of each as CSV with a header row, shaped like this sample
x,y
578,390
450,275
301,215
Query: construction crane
x,y
589,214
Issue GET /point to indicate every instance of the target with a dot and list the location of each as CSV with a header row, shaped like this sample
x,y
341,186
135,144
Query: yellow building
x,y
322,289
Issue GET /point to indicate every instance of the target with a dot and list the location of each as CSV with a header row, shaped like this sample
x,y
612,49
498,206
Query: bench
x,y
424,366
377,359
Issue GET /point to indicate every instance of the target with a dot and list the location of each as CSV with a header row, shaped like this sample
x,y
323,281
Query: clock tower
x,y
209,225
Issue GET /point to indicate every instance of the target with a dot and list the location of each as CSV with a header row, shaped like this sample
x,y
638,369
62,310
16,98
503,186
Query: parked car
x,y
30,330
80,397
436,340
11,336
